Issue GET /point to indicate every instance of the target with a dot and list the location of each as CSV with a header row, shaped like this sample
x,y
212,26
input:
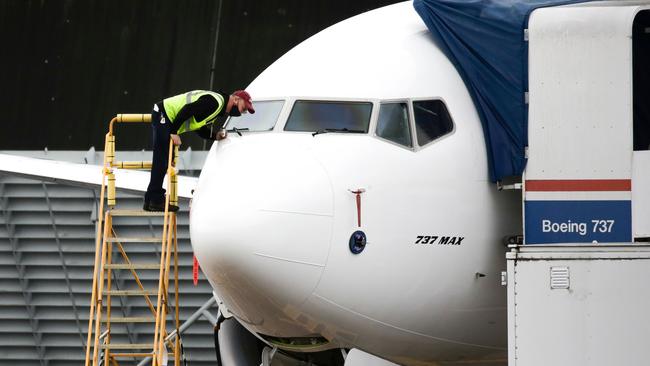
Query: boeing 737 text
x,y
603,226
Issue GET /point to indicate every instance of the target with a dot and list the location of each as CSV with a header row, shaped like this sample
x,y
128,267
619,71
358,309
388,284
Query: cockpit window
x,y
265,116
313,116
393,123
431,120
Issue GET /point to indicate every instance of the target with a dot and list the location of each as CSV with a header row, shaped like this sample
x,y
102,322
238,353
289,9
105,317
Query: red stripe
x,y
579,185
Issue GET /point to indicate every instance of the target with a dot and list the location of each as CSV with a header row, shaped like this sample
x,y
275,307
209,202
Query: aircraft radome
x,y
355,210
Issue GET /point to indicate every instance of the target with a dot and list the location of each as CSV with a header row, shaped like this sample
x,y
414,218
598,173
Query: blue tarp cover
x,y
485,41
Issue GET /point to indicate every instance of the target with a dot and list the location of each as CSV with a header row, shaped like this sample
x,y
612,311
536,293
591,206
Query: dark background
x,y
69,66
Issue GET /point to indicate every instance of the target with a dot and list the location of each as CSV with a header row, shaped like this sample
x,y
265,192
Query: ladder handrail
x,y
164,263
98,241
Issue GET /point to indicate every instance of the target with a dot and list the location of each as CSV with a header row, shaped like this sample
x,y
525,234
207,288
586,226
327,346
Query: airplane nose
x,y
261,223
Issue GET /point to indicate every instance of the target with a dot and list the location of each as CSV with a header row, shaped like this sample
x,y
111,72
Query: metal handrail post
x,y
98,245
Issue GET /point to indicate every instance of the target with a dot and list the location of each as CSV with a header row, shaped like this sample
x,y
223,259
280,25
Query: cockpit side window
x,y
393,123
313,116
432,120
265,116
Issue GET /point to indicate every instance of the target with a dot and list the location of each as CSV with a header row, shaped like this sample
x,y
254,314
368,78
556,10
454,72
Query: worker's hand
x,y
222,134
241,105
176,139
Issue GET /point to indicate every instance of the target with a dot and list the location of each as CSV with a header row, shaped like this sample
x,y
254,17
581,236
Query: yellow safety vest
x,y
174,104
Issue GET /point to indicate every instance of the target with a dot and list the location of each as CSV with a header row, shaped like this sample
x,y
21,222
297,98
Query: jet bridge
x,y
584,181
577,291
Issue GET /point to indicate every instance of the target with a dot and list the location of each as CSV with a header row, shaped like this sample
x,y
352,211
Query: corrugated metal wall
x,y
47,245
68,66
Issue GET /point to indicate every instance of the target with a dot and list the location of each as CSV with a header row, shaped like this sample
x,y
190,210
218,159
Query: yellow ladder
x,y
99,348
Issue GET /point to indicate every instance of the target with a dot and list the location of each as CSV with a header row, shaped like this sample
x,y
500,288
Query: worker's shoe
x,y
158,206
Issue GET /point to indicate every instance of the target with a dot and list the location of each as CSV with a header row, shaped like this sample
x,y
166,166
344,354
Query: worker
x,y
192,111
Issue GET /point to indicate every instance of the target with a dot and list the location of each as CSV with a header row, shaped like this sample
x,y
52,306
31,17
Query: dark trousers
x,y
155,191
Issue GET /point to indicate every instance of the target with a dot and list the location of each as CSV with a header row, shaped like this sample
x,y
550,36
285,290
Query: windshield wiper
x,y
326,130
235,129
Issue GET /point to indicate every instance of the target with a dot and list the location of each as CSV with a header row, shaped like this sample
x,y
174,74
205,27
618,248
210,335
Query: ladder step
x,y
124,212
130,355
130,292
145,239
128,346
132,266
137,354
132,319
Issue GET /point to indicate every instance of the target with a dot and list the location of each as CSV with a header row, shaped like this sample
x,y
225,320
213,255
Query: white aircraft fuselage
x,y
274,211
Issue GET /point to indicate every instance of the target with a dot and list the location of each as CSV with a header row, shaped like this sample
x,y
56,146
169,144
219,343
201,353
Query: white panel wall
x,y
580,93
600,319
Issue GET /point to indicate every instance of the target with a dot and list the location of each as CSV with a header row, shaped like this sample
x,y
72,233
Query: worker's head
x,y
239,102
